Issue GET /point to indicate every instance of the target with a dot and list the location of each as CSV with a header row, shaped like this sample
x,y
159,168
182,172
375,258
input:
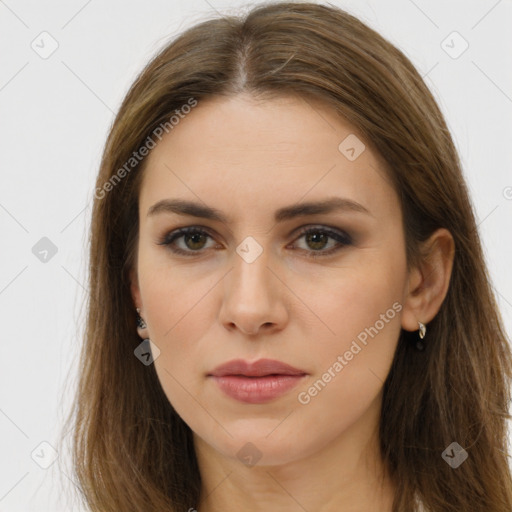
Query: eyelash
x,y
343,240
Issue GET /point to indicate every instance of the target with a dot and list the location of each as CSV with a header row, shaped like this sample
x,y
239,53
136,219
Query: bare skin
x,y
315,451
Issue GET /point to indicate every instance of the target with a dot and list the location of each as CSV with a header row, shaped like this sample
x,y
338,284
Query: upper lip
x,y
258,368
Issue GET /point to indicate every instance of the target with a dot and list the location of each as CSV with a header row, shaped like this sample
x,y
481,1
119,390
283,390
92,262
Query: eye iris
x,y
196,238
317,240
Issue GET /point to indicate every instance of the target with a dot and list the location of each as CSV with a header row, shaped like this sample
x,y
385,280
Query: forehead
x,y
242,151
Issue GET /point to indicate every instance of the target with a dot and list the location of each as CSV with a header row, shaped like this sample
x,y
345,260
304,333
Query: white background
x,y
55,116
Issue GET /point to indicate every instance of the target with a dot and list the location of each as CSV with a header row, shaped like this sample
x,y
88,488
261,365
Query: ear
x,y
428,282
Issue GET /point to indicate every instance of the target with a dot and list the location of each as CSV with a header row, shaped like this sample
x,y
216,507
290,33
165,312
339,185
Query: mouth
x,y
258,382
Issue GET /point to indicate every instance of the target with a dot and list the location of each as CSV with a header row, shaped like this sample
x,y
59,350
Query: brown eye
x,y
317,241
186,241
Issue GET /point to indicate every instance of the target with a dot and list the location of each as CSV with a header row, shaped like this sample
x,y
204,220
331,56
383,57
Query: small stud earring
x,y
140,321
420,345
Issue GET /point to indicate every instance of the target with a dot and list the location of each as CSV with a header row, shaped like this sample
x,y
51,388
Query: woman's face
x,y
249,284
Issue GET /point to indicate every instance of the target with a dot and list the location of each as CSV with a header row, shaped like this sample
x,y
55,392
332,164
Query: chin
x,y
255,445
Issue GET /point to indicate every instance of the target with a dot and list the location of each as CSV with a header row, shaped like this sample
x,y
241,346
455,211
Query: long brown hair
x,y
132,452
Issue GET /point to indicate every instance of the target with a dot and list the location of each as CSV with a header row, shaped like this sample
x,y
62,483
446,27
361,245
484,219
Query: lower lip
x,y
257,390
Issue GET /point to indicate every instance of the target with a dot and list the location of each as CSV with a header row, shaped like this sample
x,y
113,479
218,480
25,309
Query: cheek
x,y
361,305
362,293
363,309
177,309
179,313
172,292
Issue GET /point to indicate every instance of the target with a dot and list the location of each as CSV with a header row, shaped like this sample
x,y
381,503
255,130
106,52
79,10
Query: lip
x,y
257,382
258,368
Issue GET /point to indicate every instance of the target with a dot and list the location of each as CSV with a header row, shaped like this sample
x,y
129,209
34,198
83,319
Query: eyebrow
x,y
329,205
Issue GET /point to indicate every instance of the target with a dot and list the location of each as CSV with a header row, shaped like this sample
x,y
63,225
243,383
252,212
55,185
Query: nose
x,y
254,297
